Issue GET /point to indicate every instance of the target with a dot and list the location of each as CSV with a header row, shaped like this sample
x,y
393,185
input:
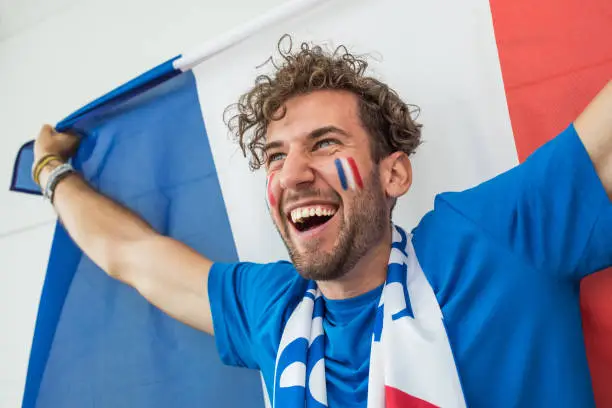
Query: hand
x,y
51,142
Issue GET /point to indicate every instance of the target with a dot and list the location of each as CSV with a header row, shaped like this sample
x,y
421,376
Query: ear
x,y
396,174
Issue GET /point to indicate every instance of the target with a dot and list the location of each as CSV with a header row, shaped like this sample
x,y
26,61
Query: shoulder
x,y
250,276
282,267
250,303
259,287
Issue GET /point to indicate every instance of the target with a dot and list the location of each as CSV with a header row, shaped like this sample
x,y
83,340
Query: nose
x,y
296,171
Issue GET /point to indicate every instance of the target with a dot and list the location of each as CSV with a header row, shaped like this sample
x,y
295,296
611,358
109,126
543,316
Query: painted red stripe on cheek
x,y
271,197
356,174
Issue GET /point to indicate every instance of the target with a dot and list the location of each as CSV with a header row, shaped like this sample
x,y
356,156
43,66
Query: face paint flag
x,y
158,145
348,173
269,190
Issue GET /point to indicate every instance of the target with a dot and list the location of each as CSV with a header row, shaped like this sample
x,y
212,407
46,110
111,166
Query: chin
x,y
321,262
312,255
313,271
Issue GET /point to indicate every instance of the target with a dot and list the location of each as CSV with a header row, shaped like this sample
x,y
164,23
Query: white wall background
x,y
56,56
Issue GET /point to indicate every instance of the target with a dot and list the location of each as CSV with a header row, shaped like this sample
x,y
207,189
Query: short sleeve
x,y
246,299
552,210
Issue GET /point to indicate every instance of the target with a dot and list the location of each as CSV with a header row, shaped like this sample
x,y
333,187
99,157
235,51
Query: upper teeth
x,y
299,214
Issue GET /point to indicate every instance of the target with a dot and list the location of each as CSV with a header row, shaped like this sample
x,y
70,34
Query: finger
x,y
46,130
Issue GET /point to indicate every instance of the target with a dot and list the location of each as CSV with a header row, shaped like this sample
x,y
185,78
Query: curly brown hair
x,y
384,115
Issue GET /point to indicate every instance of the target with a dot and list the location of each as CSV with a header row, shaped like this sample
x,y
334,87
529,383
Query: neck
x,y
369,273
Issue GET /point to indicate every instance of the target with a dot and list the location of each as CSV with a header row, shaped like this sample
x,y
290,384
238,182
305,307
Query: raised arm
x,y
594,126
166,272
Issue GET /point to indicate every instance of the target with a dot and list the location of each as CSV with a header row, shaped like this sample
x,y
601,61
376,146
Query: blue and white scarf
x,y
411,362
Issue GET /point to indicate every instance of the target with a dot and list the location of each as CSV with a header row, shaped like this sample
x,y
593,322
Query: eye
x,y
325,143
275,157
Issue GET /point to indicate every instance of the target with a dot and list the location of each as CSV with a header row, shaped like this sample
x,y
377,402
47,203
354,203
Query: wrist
x,y
42,162
46,171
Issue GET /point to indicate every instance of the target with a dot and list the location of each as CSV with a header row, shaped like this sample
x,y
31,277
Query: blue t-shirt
x,y
505,260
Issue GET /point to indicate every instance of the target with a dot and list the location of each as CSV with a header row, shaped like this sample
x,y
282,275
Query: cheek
x,y
342,173
272,189
348,174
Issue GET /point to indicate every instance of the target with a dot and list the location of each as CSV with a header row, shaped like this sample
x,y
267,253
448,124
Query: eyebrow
x,y
313,135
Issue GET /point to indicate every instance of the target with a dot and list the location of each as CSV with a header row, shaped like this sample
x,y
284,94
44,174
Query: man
x,y
477,306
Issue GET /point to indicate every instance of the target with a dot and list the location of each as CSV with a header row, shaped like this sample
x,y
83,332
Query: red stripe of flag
x,y
355,170
395,398
555,57
271,198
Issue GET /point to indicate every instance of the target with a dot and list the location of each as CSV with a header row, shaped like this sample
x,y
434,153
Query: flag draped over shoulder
x,y
494,81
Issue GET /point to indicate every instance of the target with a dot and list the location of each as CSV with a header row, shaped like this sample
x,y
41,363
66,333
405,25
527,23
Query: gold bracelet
x,y
40,165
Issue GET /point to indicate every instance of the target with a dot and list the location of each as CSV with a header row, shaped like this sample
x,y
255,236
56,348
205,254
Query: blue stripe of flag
x,y
341,174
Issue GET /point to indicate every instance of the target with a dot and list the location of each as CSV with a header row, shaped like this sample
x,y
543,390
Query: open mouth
x,y
309,217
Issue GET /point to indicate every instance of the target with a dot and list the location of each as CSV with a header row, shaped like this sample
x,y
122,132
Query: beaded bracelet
x,y
56,175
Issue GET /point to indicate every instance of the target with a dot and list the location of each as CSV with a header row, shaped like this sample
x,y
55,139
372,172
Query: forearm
x,y
594,126
165,271
102,228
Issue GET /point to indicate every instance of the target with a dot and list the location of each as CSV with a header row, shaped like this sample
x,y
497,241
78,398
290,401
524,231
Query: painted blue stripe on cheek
x,y
341,174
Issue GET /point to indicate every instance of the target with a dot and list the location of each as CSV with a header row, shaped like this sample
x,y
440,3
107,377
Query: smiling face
x,y
324,190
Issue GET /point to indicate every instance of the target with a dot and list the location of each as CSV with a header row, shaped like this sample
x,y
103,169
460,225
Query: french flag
x,y
494,80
